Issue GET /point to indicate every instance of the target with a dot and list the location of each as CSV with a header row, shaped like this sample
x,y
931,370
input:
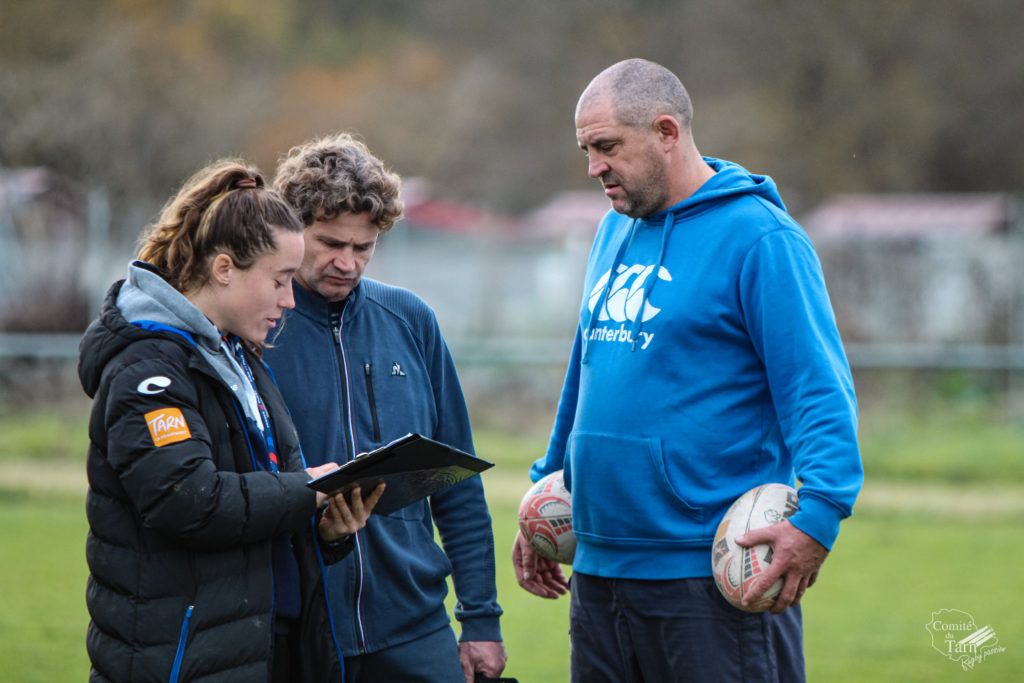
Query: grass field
x,y
925,537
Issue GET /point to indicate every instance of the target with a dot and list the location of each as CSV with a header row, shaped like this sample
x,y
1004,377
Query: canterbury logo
x,y
626,293
167,426
153,385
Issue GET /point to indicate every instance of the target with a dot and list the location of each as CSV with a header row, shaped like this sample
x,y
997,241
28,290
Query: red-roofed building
x,y
941,269
914,216
424,211
568,216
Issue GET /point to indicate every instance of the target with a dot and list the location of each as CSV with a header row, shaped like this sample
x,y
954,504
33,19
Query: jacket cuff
x,y
487,629
817,518
332,551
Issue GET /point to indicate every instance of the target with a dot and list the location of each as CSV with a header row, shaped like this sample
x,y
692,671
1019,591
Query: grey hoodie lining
x,y
147,296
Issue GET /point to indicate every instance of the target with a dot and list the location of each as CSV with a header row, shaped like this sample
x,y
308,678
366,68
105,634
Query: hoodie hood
x,y
148,298
133,309
147,303
729,181
106,337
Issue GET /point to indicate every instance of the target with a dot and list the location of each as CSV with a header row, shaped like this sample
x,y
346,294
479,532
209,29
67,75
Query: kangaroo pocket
x,y
628,494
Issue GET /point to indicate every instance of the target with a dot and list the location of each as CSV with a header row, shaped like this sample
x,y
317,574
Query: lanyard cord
x,y
234,344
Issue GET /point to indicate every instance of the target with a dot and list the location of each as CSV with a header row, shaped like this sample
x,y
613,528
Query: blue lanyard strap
x,y
267,431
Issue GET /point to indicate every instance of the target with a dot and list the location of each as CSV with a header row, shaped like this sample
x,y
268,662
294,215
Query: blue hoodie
x,y
706,362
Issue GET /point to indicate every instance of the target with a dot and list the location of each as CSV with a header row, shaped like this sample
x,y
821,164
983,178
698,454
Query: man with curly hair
x,y
361,363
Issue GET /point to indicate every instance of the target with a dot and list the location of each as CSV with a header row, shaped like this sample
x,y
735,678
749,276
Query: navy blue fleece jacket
x,y
385,371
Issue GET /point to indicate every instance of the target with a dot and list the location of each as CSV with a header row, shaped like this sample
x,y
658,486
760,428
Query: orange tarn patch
x,y
167,426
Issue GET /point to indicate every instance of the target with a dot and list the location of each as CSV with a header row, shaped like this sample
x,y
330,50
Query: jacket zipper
x,y
368,372
350,453
182,639
336,333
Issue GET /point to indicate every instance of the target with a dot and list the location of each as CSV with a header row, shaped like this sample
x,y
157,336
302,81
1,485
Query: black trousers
x,y
284,668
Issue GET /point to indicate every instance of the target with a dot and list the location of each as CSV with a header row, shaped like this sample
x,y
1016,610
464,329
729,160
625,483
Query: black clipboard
x,y
412,467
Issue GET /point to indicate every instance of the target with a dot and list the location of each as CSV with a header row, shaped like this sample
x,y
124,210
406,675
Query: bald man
x,y
706,362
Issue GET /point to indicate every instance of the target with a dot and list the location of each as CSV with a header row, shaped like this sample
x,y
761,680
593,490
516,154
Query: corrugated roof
x,y
909,216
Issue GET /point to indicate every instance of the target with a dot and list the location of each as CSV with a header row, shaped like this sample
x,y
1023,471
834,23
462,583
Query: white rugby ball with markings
x,y
545,518
736,568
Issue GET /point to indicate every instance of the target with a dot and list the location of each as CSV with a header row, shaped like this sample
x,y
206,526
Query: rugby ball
x,y
735,568
545,518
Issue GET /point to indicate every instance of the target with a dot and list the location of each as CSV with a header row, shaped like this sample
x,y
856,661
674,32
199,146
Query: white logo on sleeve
x,y
153,385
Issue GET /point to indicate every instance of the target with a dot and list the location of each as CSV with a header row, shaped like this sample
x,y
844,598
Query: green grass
x,y
864,620
950,445
45,435
42,569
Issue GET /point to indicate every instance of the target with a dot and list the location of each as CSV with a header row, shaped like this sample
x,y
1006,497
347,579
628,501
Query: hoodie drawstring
x,y
638,323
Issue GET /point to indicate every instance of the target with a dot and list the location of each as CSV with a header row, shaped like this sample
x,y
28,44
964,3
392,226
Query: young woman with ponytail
x,y
206,550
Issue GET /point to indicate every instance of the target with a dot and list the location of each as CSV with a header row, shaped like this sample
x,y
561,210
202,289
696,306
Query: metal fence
x,y
513,352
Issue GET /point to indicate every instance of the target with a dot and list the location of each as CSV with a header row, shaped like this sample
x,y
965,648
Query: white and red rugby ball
x,y
736,568
545,518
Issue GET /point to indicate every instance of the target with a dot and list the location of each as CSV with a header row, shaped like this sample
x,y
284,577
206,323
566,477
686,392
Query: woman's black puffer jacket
x,y
181,526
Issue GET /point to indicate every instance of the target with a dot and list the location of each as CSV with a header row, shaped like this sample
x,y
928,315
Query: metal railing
x,y
540,351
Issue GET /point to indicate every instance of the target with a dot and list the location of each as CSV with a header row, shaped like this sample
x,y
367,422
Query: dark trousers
x,y
680,630
434,658
285,667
